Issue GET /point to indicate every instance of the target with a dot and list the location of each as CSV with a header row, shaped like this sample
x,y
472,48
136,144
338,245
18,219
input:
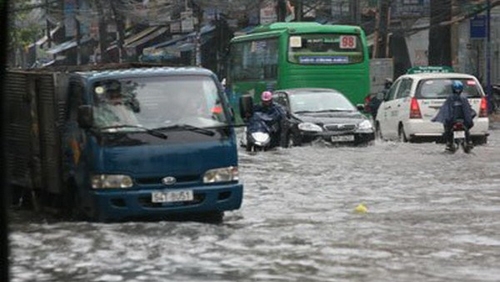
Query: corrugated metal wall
x,y
18,130
33,144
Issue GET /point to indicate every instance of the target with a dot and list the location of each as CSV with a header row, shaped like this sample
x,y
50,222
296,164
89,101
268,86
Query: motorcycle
x,y
460,139
259,132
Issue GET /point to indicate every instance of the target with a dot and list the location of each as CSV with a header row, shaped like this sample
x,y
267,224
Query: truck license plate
x,y
342,138
172,196
459,134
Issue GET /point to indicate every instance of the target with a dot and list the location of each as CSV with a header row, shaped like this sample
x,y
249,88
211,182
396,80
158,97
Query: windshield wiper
x,y
333,111
188,127
304,112
153,132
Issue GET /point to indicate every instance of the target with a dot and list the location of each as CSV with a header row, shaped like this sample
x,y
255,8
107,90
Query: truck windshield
x,y
157,102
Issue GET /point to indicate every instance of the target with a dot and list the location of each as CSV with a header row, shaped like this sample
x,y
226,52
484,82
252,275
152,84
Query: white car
x,y
414,99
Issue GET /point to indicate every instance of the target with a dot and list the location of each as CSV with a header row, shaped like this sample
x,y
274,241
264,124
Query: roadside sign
x,y
478,27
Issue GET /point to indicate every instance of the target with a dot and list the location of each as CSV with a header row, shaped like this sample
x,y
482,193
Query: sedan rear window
x,y
441,88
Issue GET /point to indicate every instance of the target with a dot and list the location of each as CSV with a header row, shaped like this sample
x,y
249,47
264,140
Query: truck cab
x,y
143,143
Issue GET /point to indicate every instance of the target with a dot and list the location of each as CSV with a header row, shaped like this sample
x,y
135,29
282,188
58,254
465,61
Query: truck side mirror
x,y
246,107
85,116
231,110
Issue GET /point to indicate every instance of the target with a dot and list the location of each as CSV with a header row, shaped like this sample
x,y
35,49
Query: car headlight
x,y
365,126
225,174
308,126
111,181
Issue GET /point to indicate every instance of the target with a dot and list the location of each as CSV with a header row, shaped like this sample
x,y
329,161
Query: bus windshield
x,y
325,49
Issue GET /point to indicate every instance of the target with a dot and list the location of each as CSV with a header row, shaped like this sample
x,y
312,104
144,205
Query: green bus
x,y
298,54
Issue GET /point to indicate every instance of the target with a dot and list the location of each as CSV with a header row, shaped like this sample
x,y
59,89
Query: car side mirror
x,y
360,107
85,116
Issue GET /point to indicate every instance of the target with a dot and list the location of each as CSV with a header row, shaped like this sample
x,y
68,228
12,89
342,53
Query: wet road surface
x,y
431,216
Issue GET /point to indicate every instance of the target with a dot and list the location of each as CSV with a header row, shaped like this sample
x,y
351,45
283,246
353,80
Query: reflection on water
x,y
431,217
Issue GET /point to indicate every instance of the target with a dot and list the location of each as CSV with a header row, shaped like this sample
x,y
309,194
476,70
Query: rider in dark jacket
x,y
278,115
456,107
377,99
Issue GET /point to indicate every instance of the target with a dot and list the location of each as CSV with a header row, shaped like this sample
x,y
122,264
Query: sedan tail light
x,y
415,109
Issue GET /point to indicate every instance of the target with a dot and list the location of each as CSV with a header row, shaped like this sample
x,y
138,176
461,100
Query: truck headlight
x,y
111,181
225,174
308,126
365,126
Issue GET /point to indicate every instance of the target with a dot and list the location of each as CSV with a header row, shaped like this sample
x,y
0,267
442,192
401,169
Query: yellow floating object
x,y
361,209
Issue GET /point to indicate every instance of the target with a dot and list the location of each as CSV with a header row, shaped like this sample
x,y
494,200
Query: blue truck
x,y
121,142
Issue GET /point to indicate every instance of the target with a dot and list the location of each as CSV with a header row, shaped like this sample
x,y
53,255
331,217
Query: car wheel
x,y
294,140
402,134
378,132
248,148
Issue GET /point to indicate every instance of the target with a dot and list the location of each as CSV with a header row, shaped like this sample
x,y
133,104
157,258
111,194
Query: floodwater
x,y
430,216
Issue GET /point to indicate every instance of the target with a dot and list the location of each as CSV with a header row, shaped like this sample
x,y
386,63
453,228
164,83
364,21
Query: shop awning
x,y
205,36
44,39
139,35
67,45
150,36
245,30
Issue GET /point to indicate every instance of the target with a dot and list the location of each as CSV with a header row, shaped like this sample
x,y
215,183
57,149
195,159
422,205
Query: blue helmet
x,y
457,86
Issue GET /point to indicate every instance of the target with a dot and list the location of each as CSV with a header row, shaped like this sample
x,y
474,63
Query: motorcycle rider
x,y
278,114
377,99
456,107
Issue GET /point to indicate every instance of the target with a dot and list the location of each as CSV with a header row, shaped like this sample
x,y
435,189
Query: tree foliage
x,y
25,24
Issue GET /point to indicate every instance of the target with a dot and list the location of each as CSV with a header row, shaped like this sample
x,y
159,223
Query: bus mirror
x,y
85,116
246,106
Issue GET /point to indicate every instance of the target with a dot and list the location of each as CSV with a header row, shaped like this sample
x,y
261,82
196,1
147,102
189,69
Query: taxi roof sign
x,y
430,69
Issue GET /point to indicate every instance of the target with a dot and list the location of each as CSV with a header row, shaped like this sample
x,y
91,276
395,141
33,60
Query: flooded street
x,y
431,216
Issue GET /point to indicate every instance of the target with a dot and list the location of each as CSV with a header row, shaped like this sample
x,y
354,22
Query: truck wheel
x,y
214,217
72,202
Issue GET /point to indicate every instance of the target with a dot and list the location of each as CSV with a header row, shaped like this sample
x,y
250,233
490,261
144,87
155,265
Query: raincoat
x,y
275,120
455,107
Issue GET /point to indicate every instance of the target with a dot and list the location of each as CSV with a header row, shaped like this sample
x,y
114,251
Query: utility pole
x,y
102,32
78,33
439,35
355,12
47,24
382,28
120,34
299,10
488,56
198,13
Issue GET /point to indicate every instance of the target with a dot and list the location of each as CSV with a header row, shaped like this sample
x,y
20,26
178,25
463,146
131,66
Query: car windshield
x,y
320,101
441,88
157,102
